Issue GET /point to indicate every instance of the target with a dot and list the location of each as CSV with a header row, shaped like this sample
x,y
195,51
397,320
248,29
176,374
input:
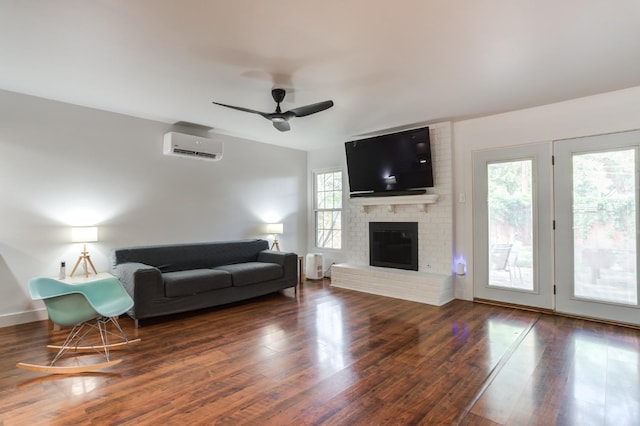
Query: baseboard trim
x,y
552,312
514,305
23,317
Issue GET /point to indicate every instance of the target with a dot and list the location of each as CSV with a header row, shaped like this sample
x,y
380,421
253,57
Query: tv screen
x,y
393,164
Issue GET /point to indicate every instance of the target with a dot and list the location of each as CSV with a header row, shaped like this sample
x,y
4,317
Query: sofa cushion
x,y
252,272
183,257
194,281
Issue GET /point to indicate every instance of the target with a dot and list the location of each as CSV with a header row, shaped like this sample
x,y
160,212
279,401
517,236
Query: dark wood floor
x,y
331,356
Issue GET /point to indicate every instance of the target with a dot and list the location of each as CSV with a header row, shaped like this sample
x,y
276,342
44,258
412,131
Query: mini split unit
x,y
183,145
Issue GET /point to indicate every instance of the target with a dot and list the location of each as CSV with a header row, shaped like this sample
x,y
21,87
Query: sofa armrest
x,y
288,261
142,282
272,256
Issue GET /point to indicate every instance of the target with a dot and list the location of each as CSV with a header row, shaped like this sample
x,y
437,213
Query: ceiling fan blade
x,y
281,119
283,126
252,111
311,109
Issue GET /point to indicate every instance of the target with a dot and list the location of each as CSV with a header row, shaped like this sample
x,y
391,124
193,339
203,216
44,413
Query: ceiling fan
x,y
281,119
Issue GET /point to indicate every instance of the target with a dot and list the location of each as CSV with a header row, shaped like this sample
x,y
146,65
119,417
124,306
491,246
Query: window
x,y
328,209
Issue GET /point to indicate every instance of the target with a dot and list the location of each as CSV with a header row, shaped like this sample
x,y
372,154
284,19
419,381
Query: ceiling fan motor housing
x,y
278,95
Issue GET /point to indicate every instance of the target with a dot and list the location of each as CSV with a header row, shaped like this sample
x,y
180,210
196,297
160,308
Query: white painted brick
x,y
435,226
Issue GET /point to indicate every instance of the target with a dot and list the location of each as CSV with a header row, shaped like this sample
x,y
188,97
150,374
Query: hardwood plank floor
x,y
336,357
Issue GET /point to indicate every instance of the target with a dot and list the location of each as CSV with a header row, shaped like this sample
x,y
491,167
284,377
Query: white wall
x,y
64,165
606,113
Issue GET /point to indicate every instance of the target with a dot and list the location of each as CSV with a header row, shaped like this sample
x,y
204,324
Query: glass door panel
x,y
604,223
596,212
510,210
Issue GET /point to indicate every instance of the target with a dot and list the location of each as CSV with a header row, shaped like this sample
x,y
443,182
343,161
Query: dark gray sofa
x,y
176,278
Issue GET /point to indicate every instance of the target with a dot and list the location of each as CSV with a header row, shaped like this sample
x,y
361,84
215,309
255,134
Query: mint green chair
x,y
72,304
85,306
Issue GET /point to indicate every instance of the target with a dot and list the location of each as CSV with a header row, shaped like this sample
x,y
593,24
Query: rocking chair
x,y
87,307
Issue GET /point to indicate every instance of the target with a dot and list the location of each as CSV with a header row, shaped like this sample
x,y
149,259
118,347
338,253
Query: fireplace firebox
x,y
394,245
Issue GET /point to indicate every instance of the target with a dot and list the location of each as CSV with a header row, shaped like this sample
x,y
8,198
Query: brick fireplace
x,y
432,283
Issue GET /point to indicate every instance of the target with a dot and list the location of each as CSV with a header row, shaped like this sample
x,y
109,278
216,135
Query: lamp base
x,y
275,244
84,258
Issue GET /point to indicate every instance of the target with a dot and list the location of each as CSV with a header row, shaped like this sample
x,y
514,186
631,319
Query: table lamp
x,y
275,229
84,234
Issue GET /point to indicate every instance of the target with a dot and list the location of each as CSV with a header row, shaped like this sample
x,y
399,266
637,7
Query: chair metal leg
x,y
71,337
73,343
104,336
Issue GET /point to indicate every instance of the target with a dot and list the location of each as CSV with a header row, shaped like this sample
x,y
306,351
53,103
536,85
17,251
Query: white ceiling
x,y
385,64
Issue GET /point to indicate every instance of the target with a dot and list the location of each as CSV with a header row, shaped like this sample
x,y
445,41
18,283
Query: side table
x,y
82,279
300,270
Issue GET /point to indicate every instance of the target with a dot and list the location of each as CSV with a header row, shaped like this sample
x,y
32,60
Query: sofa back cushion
x,y
180,257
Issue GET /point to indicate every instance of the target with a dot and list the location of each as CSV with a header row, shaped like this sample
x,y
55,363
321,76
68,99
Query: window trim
x,y
315,208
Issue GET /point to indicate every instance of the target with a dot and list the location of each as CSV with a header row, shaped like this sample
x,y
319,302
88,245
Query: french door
x,y
562,236
512,225
596,212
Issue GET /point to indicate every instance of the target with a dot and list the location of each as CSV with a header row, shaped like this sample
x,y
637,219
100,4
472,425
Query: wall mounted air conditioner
x,y
313,266
183,145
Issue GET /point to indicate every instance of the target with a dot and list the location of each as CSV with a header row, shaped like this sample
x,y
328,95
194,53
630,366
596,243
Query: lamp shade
x,y
274,228
84,234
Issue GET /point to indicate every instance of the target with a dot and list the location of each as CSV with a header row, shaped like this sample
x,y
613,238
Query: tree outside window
x,y
328,210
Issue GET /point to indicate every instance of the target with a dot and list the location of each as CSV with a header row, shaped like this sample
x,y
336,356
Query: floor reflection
x,y
460,332
604,383
330,327
83,385
503,334
513,353
546,371
272,335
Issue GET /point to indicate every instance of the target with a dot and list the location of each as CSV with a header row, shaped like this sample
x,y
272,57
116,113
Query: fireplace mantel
x,y
420,201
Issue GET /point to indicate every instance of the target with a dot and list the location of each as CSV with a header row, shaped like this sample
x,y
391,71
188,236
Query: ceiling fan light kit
x,y
279,119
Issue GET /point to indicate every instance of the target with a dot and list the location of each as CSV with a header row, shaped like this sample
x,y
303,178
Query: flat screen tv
x,y
393,164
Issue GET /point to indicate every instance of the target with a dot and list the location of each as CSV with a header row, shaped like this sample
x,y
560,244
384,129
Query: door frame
x,y
566,302
542,257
